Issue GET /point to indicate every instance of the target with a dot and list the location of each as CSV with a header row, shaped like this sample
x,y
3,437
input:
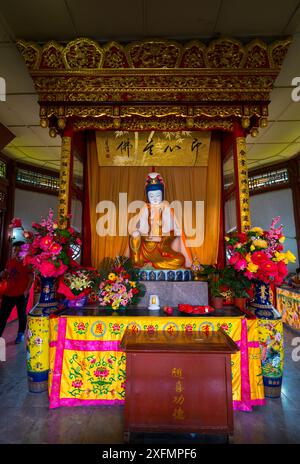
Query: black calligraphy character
x,y
195,145
125,146
149,147
168,147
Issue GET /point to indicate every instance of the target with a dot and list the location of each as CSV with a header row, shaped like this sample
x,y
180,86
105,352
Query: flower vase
x,y
272,360
262,304
47,302
38,336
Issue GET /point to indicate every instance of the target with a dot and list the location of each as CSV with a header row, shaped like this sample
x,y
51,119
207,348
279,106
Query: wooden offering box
x,y
178,382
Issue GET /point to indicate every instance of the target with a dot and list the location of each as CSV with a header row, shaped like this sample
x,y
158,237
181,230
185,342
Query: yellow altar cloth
x,y
288,305
87,366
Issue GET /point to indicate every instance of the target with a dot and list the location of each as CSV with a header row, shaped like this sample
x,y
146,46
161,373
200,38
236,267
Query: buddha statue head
x,y
155,188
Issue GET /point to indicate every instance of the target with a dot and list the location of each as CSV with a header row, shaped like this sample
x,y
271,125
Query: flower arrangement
x,y
120,287
48,249
258,254
78,283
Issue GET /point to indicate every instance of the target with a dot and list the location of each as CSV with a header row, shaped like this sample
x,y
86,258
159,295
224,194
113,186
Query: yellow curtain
x,y
182,183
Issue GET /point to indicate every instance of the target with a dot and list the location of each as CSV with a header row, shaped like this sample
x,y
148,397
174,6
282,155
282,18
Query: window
x,y
37,180
268,179
2,169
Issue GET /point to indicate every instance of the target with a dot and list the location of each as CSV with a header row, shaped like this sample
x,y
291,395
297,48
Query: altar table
x,y
87,365
190,371
288,305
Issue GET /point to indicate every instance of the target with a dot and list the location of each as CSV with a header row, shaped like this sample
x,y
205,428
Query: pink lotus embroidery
x,y
77,383
101,373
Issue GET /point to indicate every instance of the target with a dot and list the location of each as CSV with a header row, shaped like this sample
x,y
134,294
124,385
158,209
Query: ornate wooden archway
x,y
155,85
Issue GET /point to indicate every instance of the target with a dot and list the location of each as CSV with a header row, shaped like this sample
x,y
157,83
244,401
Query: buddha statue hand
x,y
135,247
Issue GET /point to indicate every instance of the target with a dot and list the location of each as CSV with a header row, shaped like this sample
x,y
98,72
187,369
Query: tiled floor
x,y
25,417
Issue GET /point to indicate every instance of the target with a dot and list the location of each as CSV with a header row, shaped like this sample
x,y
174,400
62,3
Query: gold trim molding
x,y
86,54
154,79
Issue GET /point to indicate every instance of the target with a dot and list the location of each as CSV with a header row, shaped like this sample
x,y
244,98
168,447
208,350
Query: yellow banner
x,y
156,148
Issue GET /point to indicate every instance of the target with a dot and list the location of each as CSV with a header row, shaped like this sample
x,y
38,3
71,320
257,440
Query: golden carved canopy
x,y
154,84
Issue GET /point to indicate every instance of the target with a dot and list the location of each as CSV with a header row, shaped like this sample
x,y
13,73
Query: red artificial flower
x,y
259,257
234,258
35,225
269,267
48,269
282,269
242,237
46,242
55,248
16,222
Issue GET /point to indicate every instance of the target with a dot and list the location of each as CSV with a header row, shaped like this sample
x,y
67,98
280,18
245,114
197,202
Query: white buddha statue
x,y
151,242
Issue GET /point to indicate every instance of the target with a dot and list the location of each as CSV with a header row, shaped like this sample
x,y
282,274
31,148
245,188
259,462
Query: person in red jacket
x,y
19,280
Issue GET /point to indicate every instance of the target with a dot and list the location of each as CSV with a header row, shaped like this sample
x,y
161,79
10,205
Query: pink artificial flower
x,y
248,274
241,264
122,289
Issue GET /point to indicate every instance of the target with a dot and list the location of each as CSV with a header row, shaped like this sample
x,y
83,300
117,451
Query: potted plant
x,y
240,286
219,282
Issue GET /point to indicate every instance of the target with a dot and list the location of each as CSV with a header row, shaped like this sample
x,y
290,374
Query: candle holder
x,y
153,302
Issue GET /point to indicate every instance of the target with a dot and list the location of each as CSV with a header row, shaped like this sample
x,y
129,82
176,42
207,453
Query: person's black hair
x,y
17,244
